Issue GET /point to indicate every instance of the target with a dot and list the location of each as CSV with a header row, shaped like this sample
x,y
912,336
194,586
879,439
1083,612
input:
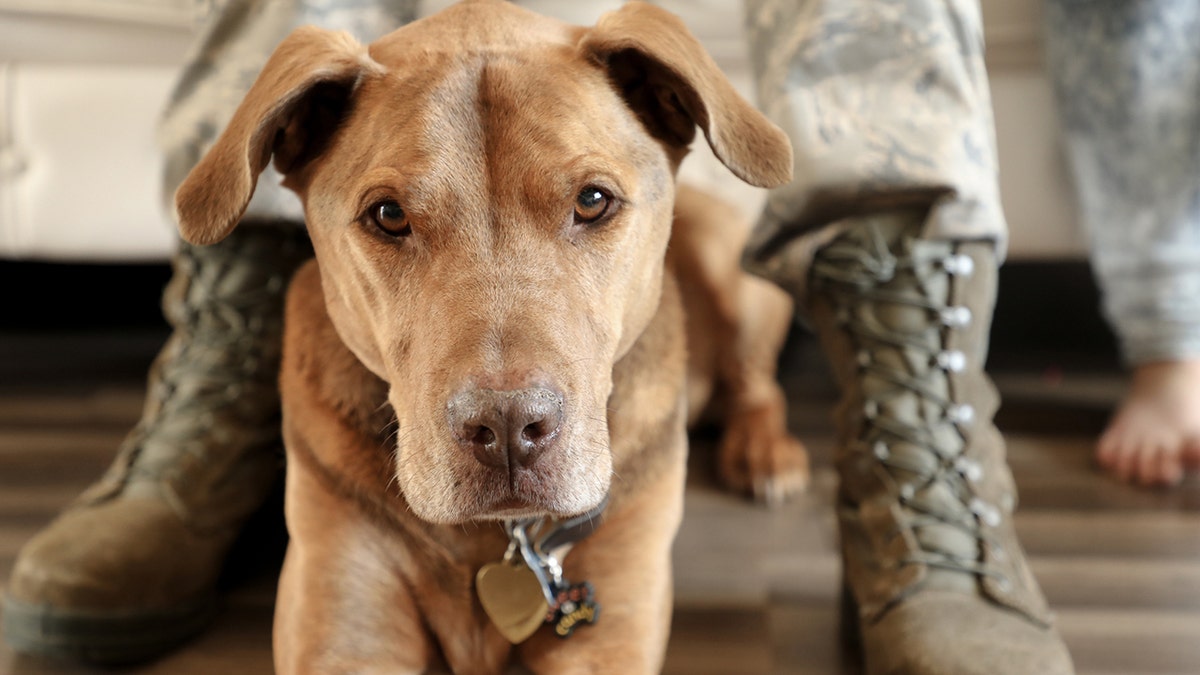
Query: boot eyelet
x,y
881,450
907,491
971,470
985,512
959,265
960,414
956,317
952,360
864,358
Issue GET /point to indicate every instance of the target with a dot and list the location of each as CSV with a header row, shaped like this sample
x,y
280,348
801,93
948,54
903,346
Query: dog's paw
x,y
758,457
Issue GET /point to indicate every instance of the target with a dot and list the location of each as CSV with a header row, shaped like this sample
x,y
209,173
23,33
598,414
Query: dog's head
x,y
489,194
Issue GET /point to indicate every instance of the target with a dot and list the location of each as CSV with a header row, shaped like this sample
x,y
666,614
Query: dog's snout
x,y
506,429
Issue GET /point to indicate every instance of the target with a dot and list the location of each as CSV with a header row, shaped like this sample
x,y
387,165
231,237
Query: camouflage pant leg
x,y
887,104
1127,76
235,38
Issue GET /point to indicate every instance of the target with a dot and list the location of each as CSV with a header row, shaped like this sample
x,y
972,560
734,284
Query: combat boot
x,y
935,580
130,569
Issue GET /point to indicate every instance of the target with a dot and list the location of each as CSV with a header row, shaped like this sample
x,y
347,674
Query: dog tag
x,y
575,605
511,594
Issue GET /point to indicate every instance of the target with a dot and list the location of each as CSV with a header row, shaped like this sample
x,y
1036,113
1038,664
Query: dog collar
x,y
527,589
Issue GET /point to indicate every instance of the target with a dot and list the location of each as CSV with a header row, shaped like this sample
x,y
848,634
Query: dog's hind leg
x,y
758,454
737,325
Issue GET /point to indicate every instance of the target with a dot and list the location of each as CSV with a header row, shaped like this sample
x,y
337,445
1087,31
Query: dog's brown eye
x,y
389,217
591,204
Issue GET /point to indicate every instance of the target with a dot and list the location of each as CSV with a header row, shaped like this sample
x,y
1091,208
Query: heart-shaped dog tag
x,y
512,597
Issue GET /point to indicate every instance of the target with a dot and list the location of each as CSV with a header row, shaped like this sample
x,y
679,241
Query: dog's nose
x,y
506,429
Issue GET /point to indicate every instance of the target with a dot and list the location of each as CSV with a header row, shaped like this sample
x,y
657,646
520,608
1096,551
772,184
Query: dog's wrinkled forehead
x,y
481,25
525,122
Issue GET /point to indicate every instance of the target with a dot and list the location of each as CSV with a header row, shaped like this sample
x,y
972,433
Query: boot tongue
x,y
909,338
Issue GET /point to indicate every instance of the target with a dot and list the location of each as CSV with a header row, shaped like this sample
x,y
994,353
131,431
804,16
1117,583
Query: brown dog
x,y
493,329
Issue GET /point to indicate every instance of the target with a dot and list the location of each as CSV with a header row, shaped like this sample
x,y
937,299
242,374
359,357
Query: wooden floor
x,y
757,591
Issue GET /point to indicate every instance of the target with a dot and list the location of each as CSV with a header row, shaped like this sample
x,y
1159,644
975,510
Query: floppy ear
x,y
674,86
300,92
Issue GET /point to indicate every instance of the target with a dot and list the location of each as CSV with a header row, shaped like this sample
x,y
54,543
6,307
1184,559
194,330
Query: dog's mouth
x,y
528,494
463,490
512,508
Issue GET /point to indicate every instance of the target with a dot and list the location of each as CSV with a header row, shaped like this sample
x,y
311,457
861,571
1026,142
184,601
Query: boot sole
x,y
102,637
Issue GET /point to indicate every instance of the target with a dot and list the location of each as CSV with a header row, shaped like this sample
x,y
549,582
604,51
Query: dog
x,y
510,319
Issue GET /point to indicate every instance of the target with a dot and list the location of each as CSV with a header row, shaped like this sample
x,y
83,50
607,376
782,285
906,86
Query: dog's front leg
x,y
341,607
628,560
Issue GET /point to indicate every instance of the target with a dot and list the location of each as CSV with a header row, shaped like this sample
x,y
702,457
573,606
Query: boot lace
x,y
912,429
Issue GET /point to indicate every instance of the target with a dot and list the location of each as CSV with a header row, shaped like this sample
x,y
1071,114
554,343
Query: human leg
x,y
130,569
889,238
1127,78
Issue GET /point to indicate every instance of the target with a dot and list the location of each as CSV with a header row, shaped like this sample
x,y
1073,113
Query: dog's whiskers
x,y
389,430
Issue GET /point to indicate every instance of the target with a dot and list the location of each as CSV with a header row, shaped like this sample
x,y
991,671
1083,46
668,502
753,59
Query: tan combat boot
x,y
130,569
934,575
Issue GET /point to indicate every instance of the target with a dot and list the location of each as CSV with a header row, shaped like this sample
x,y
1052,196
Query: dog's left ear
x,y
299,95
674,86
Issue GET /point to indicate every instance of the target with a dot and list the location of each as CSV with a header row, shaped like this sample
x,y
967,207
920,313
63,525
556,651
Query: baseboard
x,y
73,297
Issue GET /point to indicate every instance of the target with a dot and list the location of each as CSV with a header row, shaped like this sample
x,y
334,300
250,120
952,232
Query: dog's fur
x,y
484,122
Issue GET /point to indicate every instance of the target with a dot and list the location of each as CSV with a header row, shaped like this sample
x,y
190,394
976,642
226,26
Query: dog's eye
x,y
592,204
389,217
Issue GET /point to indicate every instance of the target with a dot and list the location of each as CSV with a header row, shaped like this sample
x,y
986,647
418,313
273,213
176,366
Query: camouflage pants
x,y
1127,76
886,102
234,39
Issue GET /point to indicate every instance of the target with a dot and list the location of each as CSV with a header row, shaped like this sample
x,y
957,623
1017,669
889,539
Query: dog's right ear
x,y
311,63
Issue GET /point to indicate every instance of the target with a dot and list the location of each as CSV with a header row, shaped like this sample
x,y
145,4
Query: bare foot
x,y
1155,435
